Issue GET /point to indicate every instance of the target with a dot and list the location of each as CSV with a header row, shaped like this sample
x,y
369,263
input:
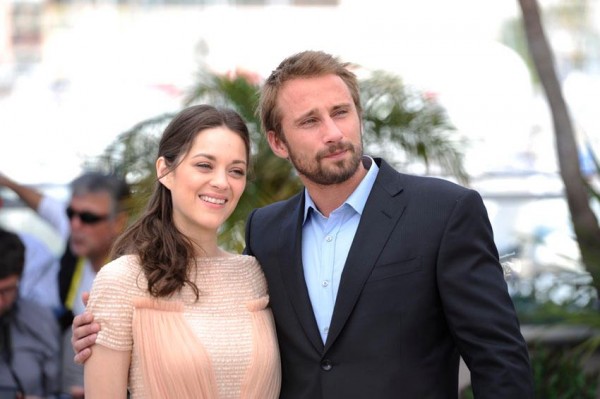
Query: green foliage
x,y
395,119
559,374
594,193
133,155
406,126
548,313
566,298
559,371
271,178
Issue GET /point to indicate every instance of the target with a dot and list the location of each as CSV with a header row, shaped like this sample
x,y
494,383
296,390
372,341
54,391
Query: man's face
x,y
321,129
92,237
9,290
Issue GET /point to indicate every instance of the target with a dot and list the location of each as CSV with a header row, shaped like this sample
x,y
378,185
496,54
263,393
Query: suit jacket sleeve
x,y
479,311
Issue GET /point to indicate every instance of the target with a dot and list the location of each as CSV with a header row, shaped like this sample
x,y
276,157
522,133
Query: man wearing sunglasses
x,y
93,218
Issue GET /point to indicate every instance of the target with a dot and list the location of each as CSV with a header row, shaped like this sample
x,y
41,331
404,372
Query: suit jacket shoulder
x,y
388,176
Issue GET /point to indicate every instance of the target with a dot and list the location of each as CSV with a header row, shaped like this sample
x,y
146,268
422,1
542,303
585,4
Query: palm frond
x,y
406,126
402,125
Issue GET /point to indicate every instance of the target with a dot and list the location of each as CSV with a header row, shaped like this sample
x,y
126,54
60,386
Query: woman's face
x,y
208,183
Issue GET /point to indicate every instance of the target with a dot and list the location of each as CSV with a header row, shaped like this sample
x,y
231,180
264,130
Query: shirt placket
x,y
326,269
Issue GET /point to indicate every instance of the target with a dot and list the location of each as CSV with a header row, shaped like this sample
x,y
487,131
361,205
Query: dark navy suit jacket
x,y
422,285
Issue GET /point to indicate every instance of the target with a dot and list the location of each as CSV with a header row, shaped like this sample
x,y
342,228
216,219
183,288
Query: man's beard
x,y
337,173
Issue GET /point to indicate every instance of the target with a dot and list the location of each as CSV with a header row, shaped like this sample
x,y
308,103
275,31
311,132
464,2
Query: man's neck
x,y
328,198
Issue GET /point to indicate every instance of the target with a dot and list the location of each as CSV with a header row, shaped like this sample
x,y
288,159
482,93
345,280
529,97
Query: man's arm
x,y
48,208
30,196
85,332
477,305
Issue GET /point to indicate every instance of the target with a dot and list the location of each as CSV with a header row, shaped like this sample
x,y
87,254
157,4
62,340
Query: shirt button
x,y
326,330
328,238
325,283
326,365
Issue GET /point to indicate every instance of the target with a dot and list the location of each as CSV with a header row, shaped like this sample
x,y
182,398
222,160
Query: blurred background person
x,y
91,221
40,274
29,335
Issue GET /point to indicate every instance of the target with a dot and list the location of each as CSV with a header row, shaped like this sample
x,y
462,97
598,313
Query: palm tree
x,y
271,179
395,120
407,126
583,218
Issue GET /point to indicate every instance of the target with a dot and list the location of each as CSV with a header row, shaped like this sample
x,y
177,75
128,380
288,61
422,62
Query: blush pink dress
x,y
222,346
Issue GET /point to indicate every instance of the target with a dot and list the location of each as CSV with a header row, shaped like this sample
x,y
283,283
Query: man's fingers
x,y
85,296
82,356
83,325
85,332
84,342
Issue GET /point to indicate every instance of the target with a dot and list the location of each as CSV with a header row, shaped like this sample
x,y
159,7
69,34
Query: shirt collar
x,y
358,199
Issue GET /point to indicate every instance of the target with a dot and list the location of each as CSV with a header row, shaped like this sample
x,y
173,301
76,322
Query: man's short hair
x,y
97,182
12,254
307,64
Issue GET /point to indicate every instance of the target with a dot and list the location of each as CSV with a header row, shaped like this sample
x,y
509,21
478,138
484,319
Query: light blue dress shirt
x,y
326,243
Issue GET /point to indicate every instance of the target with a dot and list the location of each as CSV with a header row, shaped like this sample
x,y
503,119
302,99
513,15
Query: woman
x,y
180,317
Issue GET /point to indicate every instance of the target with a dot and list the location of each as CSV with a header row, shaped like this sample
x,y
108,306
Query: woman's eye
x,y
203,165
239,172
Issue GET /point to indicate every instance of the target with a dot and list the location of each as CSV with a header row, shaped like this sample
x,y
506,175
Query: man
x,y
29,333
40,274
379,281
95,215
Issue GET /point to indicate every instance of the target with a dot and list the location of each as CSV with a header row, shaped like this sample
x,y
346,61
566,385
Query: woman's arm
x,y
106,373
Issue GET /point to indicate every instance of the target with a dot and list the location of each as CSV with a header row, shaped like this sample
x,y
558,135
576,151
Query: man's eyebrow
x,y
314,112
307,114
342,105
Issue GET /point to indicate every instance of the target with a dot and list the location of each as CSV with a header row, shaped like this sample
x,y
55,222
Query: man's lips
x,y
335,152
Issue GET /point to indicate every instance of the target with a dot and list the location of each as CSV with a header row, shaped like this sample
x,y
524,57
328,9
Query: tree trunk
x,y
584,220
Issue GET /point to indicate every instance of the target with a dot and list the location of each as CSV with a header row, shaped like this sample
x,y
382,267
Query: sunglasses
x,y
85,217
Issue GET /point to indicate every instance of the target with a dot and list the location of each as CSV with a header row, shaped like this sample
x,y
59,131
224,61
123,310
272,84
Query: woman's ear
x,y
277,145
163,172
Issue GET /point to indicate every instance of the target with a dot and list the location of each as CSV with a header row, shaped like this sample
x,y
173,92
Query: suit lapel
x,y
293,277
381,214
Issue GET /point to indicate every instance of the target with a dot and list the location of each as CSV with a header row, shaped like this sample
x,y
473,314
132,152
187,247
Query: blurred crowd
x,y
40,292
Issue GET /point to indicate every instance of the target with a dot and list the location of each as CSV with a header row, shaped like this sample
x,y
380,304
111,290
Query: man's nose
x,y
75,222
331,131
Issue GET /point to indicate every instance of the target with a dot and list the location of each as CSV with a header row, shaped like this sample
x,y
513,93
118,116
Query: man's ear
x,y
163,172
277,145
